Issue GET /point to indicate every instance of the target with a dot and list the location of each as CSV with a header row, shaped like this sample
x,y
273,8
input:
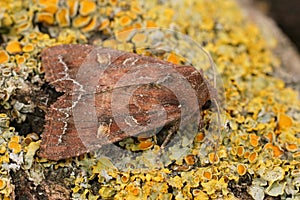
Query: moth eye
x,y
207,105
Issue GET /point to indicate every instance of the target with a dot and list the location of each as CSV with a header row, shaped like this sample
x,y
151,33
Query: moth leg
x,y
167,139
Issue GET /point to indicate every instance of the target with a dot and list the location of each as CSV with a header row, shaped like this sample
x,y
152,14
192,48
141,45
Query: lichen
x,y
260,139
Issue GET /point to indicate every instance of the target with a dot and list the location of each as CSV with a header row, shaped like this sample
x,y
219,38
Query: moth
x,y
110,95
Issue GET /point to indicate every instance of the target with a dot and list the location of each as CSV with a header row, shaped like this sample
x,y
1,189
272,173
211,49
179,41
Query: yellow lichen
x,y
2,148
15,146
199,194
13,47
106,192
259,107
175,182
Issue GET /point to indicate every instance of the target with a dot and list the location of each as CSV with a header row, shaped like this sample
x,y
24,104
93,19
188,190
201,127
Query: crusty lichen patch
x,y
260,139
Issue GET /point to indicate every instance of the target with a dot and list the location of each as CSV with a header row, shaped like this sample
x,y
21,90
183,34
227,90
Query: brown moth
x,y
110,95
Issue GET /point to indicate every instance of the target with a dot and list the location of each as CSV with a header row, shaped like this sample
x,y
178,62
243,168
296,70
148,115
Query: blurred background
x,y
286,14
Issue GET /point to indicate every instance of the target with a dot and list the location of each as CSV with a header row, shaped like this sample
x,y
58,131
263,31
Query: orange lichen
x,y
284,121
81,21
73,7
135,191
144,145
13,47
15,138
240,151
213,158
113,2
4,57
48,2
199,137
51,8
241,169
91,26
269,136
275,149
44,17
254,139
173,58
207,174
189,159
292,147
87,7
125,20
62,17
150,24
15,146
20,60
2,184
28,48
253,157
125,178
